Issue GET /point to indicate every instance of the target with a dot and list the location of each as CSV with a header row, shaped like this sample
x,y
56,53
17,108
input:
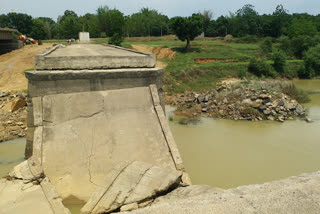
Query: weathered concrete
x,y
130,184
41,83
101,129
84,37
300,194
26,185
89,56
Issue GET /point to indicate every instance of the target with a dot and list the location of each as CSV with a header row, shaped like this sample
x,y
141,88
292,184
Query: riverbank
x,y
275,100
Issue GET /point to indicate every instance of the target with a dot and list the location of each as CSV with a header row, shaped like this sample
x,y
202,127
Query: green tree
x,y
4,21
38,30
187,28
207,17
69,25
302,26
20,21
247,21
312,62
111,21
281,21
279,62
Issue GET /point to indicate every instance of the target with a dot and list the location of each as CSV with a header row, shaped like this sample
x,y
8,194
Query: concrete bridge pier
x,y
92,107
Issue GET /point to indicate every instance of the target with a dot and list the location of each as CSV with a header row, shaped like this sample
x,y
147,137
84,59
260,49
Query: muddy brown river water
x,y
226,154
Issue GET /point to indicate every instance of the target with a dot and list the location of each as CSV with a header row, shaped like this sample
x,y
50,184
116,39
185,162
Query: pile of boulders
x,y
240,101
13,115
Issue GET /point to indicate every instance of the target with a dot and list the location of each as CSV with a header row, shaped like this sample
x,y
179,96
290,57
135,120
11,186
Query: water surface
x,y
226,153
11,154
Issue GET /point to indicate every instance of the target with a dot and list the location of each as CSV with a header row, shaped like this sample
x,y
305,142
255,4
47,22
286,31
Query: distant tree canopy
x,y
149,22
187,28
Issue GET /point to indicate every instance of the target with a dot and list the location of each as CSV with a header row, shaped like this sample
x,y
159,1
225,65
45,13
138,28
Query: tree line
x,y
149,22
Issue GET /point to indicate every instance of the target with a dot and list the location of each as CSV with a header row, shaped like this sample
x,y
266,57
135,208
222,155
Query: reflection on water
x,y
225,153
75,208
11,154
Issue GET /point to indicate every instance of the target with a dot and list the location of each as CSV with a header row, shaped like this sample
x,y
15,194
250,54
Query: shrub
x,y
116,39
312,62
248,39
266,45
285,45
103,35
279,62
260,68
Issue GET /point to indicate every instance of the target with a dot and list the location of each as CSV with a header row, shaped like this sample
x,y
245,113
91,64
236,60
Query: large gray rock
x,y
130,184
300,194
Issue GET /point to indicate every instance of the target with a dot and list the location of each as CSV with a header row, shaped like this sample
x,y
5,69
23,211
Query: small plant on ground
x,y
266,46
279,62
260,68
116,39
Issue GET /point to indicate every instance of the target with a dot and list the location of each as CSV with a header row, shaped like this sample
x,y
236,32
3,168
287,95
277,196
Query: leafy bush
x,y
300,44
260,68
116,39
103,35
266,45
311,63
248,39
279,62
285,45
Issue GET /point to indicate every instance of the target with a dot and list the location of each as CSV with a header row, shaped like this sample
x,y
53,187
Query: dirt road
x,y
13,65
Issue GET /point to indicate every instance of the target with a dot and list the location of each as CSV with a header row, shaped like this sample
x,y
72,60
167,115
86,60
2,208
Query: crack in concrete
x,y
132,189
119,173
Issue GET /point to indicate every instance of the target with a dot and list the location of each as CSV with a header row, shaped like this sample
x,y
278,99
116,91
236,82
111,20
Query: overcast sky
x,y
54,8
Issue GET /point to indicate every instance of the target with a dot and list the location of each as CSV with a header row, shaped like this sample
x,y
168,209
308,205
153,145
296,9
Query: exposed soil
x,y
13,65
160,51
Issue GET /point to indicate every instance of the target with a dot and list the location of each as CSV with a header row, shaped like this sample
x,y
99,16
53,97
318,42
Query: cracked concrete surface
x,y
131,184
91,132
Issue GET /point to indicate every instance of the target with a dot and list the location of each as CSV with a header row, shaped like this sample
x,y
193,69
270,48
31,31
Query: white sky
x,y
54,8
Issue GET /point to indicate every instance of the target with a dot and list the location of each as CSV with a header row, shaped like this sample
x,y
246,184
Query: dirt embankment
x,y
160,51
13,65
13,85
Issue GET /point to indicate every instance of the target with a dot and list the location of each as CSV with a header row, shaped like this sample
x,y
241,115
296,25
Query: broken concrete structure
x,y
84,37
91,108
298,194
27,190
130,185
7,42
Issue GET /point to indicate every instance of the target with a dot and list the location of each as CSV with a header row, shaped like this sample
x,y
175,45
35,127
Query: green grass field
x,y
228,59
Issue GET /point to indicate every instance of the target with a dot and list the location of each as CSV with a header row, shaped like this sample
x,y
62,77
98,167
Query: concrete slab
x,y
84,135
91,56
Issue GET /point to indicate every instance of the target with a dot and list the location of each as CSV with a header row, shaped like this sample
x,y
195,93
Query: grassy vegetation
x,y
184,72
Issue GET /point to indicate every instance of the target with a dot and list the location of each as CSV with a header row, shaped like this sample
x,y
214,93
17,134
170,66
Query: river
x,y
226,154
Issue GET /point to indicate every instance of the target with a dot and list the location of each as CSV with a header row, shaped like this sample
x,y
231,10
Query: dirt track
x,y
13,65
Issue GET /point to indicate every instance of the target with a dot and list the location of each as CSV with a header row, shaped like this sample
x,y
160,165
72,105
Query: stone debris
x,y
253,101
13,115
129,185
25,185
